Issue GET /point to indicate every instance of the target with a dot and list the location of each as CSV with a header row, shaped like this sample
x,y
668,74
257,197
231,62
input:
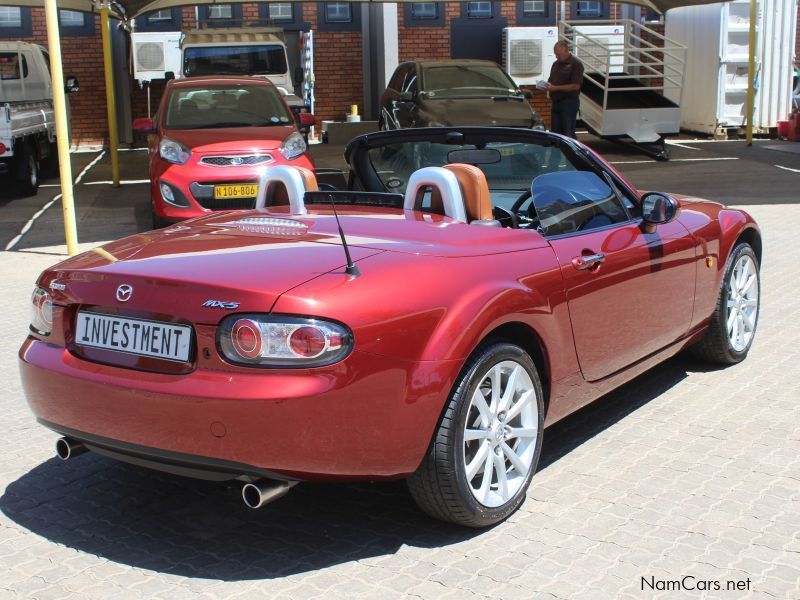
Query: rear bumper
x,y
188,465
367,417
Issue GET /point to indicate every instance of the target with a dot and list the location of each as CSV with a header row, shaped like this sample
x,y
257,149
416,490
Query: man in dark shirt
x,y
564,86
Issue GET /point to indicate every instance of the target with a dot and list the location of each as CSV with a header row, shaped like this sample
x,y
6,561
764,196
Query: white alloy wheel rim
x,y
742,303
500,433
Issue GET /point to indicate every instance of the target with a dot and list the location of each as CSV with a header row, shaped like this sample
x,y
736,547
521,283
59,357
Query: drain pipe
x,y
67,448
264,491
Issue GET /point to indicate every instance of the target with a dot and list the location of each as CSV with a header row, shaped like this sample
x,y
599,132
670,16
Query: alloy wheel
x,y
500,433
742,303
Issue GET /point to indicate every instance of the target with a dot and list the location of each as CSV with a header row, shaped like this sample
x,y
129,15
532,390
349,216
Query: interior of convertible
x,y
529,185
500,184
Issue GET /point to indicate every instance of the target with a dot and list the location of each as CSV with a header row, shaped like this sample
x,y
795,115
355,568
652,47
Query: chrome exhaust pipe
x,y
67,448
263,491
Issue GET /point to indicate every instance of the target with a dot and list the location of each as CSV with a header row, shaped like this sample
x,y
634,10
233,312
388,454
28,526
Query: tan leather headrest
x,y
309,179
475,191
278,195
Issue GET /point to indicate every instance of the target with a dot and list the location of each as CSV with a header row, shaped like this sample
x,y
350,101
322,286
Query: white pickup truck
x,y
27,123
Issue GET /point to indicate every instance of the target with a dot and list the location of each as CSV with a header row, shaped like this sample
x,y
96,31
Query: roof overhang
x,y
133,8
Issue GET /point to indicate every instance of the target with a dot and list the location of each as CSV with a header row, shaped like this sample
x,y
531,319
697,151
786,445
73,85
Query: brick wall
x,y
82,56
338,68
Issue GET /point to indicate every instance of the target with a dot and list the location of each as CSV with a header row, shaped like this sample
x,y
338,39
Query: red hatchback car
x,y
213,136
480,285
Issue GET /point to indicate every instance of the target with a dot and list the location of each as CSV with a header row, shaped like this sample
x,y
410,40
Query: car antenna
x,y
351,268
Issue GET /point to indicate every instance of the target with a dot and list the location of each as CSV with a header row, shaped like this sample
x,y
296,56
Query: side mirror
x,y
306,119
144,125
168,75
298,76
406,97
71,86
528,94
657,209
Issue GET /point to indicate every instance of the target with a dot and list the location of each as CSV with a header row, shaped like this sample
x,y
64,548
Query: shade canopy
x,y
134,8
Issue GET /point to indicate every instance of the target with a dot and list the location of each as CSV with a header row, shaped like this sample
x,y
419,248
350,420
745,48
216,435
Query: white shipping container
x,y
717,37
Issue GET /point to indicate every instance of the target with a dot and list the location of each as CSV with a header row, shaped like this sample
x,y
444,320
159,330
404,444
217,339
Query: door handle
x,y
584,263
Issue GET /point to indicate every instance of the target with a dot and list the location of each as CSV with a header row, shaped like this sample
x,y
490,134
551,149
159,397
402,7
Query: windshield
x,y
269,59
225,106
510,167
451,81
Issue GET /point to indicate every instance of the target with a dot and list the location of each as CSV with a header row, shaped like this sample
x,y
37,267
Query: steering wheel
x,y
526,195
506,217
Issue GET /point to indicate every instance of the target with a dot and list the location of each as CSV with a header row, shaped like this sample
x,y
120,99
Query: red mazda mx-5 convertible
x,y
474,286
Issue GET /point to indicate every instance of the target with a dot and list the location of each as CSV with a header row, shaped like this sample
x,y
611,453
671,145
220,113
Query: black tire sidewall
x,y
740,250
489,357
27,171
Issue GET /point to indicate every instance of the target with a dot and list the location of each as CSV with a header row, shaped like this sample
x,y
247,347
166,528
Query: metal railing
x,y
646,55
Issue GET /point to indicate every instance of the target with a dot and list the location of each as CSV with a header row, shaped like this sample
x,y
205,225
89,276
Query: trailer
x,y
633,82
27,119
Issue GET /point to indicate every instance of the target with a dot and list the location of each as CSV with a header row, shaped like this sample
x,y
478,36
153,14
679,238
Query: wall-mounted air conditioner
x,y
155,53
603,51
528,53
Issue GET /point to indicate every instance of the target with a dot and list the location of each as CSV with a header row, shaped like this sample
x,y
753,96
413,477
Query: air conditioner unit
x,y
603,48
528,53
155,53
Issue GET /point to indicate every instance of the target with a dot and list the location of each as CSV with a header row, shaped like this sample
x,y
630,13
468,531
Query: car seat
x,y
474,191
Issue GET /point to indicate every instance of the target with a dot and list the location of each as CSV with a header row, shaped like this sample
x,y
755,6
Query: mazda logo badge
x,y
236,161
124,292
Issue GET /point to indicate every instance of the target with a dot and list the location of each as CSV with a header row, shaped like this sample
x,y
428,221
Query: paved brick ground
x,y
685,471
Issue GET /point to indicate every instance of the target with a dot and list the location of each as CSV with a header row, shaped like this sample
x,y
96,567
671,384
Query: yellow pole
x,y
111,106
751,72
62,126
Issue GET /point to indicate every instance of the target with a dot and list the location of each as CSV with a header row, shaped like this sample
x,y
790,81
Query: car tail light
x,y
282,341
41,312
3,149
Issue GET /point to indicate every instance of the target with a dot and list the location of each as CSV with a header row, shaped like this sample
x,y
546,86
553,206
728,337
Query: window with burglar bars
x,y
338,12
479,10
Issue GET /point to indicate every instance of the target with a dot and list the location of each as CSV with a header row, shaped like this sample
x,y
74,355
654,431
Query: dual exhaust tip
x,y
255,494
67,448
264,491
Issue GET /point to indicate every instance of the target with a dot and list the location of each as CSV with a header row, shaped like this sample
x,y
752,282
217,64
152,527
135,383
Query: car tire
x,y
49,164
733,325
482,421
27,171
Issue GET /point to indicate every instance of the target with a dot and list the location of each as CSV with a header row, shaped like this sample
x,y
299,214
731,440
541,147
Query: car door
x,y
406,107
630,292
389,99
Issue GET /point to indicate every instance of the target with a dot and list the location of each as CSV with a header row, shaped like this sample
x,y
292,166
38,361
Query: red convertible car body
x,y
283,363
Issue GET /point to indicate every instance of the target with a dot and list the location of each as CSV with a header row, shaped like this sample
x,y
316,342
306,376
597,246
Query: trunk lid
x,y
177,271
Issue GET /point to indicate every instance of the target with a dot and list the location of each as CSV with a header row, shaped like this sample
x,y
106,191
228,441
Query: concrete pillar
x,y
379,52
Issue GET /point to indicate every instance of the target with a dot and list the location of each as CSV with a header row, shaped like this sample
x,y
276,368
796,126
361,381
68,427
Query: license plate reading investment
x,y
134,336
